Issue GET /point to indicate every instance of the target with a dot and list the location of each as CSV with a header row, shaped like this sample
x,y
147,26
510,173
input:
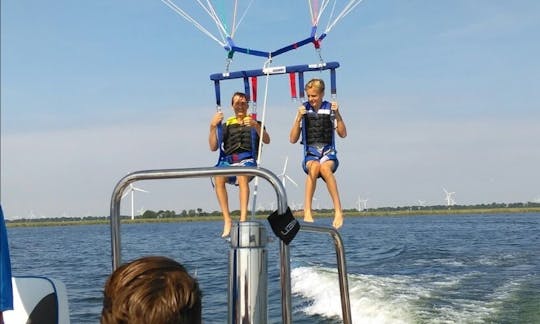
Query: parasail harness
x,y
225,37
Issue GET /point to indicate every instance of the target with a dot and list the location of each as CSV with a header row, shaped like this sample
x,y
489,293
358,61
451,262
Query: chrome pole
x,y
248,274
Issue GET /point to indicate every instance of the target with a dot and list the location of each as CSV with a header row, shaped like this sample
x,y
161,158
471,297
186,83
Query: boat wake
x,y
404,298
370,299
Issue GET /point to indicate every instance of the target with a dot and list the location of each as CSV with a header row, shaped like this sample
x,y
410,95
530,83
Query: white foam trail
x,y
398,298
372,299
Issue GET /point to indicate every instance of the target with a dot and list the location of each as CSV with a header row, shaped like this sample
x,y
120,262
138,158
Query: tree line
x,y
199,212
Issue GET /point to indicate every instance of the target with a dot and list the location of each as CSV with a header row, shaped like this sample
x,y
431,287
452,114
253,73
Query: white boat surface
x,y
38,300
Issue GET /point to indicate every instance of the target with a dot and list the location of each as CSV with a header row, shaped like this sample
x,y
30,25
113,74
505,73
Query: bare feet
x,y
227,227
308,217
338,220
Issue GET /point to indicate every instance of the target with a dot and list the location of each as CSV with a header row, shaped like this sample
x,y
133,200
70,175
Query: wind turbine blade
x,y
125,194
291,180
139,189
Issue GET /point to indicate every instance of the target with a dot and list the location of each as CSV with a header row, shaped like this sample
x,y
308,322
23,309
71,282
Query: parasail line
x,y
188,18
233,24
348,8
322,9
314,20
242,18
215,17
331,15
259,153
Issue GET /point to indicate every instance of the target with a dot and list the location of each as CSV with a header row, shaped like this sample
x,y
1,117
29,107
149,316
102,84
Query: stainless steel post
x,y
248,274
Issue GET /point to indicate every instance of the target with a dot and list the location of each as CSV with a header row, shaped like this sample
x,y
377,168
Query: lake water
x,y
405,269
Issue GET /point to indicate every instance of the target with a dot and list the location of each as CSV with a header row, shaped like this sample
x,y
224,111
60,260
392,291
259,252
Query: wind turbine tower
x,y
362,204
131,191
450,201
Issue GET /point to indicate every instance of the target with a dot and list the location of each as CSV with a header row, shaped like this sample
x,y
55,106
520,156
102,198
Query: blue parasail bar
x,y
232,48
247,51
274,70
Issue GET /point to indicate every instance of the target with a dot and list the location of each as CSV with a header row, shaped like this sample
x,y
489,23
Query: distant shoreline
x,y
297,214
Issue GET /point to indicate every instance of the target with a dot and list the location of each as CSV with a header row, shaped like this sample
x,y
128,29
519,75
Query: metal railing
x,y
206,172
341,266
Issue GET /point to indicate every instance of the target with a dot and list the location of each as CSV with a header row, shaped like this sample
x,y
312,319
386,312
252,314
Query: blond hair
x,y
315,83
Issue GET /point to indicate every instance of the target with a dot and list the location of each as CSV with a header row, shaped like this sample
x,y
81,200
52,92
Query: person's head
x,y
315,92
154,290
239,104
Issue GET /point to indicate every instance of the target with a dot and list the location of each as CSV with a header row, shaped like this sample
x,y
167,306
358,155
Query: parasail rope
x,y
348,8
331,15
259,153
323,8
312,13
233,25
215,17
316,11
187,17
241,19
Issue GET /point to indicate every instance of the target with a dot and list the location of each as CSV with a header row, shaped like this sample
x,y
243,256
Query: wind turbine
x,y
131,190
284,177
296,205
361,203
450,201
141,211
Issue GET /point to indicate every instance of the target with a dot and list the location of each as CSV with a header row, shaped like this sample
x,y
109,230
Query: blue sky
x,y
434,93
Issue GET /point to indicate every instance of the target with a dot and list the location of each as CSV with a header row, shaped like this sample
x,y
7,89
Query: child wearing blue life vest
x,y
238,142
316,121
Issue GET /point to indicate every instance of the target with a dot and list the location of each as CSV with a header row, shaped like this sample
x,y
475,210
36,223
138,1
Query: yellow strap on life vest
x,y
231,121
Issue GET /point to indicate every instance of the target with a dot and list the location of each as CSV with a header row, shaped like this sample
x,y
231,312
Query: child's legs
x,y
327,174
313,168
221,193
243,186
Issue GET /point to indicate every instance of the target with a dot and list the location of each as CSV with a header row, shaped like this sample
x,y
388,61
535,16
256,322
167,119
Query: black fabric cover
x,y
285,226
